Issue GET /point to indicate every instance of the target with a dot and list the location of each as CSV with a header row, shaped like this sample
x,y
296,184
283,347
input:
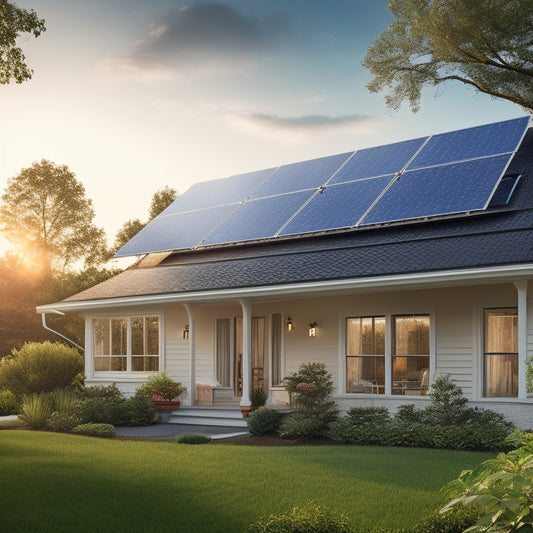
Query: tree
x,y
13,22
45,214
485,44
160,201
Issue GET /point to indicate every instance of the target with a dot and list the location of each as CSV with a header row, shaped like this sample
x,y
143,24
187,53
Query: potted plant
x,y
164,391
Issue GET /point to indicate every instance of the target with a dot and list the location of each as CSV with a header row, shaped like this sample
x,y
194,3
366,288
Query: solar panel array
x,y
449,173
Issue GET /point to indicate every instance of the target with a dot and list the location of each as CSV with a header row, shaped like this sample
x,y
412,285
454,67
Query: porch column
x,y
192,353
246,352
521,287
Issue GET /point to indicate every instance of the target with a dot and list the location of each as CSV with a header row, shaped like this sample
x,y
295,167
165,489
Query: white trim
x,y
403,281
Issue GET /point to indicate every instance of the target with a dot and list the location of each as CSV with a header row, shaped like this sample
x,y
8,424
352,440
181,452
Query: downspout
x,y
43,316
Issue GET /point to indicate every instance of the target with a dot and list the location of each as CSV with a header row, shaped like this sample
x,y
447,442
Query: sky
x,y
135,95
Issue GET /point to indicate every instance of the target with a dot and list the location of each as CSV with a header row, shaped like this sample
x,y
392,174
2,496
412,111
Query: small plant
x,y
164,387
35,410
309,519
62,422
258,398
529,374
95,430
64,401
8,403
193,438
264,422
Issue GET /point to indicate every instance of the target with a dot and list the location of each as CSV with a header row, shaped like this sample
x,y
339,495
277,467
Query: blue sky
x,y
134,95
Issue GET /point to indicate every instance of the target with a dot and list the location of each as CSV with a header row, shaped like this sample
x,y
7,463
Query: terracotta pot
x,y
245,411
167,405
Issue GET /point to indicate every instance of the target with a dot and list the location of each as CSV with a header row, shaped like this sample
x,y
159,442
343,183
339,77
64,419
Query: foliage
x,y
163,386
45,214
193,438
139,411
129,229
311,518
529,374
311,387
102,392
485,44
95,430
264,421
40,367
258,398
15,21
368,415
161,200
62,422
503,490
35,410
8,403
448,403
65,401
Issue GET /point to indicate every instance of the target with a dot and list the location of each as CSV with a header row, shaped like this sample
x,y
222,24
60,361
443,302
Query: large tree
x,y
15,21
485,44
44,213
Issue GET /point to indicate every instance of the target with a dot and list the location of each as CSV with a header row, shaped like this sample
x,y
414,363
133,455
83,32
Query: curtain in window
x,y
276,349
223,351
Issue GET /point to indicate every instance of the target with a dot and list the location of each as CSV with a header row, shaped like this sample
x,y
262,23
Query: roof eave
x,y
501,274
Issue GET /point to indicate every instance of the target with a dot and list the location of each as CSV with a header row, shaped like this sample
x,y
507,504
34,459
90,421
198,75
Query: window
x,y
365,355
500,353
126,344
410,355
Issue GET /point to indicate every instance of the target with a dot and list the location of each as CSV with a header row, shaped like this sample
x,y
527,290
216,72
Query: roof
x,y
499,237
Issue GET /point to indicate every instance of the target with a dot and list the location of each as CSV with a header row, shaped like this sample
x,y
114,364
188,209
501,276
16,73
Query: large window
x,y
126,344
365,355
410,354
500,355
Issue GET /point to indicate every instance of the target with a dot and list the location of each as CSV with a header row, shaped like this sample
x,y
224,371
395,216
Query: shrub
x,y
103,411
62,422
102,392
95,430
368,415
163,386
258,398
309,519
8,403
193,438
409,413
40,367
264,422
65,401
138,411
311,386
35,410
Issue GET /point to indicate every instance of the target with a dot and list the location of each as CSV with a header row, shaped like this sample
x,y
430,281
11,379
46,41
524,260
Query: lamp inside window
x,y
312,329
290,324
186,332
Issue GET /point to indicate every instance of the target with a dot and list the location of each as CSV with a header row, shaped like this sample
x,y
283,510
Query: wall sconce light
x,y
186,332
290,324
312,329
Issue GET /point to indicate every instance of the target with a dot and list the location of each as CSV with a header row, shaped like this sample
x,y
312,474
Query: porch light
x,y
312,329
186,332
290,324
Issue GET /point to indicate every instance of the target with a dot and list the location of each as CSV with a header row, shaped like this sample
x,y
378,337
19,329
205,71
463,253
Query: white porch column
x,y
521,287
246,352
192,354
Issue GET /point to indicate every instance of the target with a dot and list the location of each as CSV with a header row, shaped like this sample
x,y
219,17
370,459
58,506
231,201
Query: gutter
x,y
501,274
43,316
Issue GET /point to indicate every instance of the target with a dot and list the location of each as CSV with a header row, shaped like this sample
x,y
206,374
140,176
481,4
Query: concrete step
x,y
208,416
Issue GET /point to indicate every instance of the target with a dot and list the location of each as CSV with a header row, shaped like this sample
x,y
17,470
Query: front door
x,y
259,363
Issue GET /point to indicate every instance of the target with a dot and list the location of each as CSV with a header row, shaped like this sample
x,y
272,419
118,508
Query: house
x,y
392,265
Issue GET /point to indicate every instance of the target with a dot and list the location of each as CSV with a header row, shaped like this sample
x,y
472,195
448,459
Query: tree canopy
x,y
485,44
44,213
13,22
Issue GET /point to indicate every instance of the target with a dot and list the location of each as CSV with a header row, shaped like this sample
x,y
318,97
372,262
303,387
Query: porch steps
x,y
209,416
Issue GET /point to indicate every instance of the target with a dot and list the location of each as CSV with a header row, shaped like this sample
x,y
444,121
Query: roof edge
x,y
394,282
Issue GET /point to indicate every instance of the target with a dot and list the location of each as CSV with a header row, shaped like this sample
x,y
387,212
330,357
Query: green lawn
x,y
66,483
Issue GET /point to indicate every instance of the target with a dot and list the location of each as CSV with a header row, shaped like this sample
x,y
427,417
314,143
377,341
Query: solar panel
x,y
174,232
301,176
481,141
447,189
378,161
337,206
218,192
258,219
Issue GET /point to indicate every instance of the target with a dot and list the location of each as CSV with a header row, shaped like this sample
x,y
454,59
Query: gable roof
x,y
495,240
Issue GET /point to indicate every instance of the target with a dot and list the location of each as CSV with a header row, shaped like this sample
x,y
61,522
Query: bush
x,y
103,411
264,422
258,398
138,411
308,519
193,438
102,392
8,403
35,410
95,430
40,367
163,386
65,401
62,422
368,415
311,386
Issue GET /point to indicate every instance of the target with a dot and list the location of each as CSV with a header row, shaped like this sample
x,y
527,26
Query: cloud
x,y
200,40
293,129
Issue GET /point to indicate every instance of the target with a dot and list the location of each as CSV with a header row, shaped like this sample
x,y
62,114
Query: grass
x,y
64,483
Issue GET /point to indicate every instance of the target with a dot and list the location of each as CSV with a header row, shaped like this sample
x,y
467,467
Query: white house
x,y
392,265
